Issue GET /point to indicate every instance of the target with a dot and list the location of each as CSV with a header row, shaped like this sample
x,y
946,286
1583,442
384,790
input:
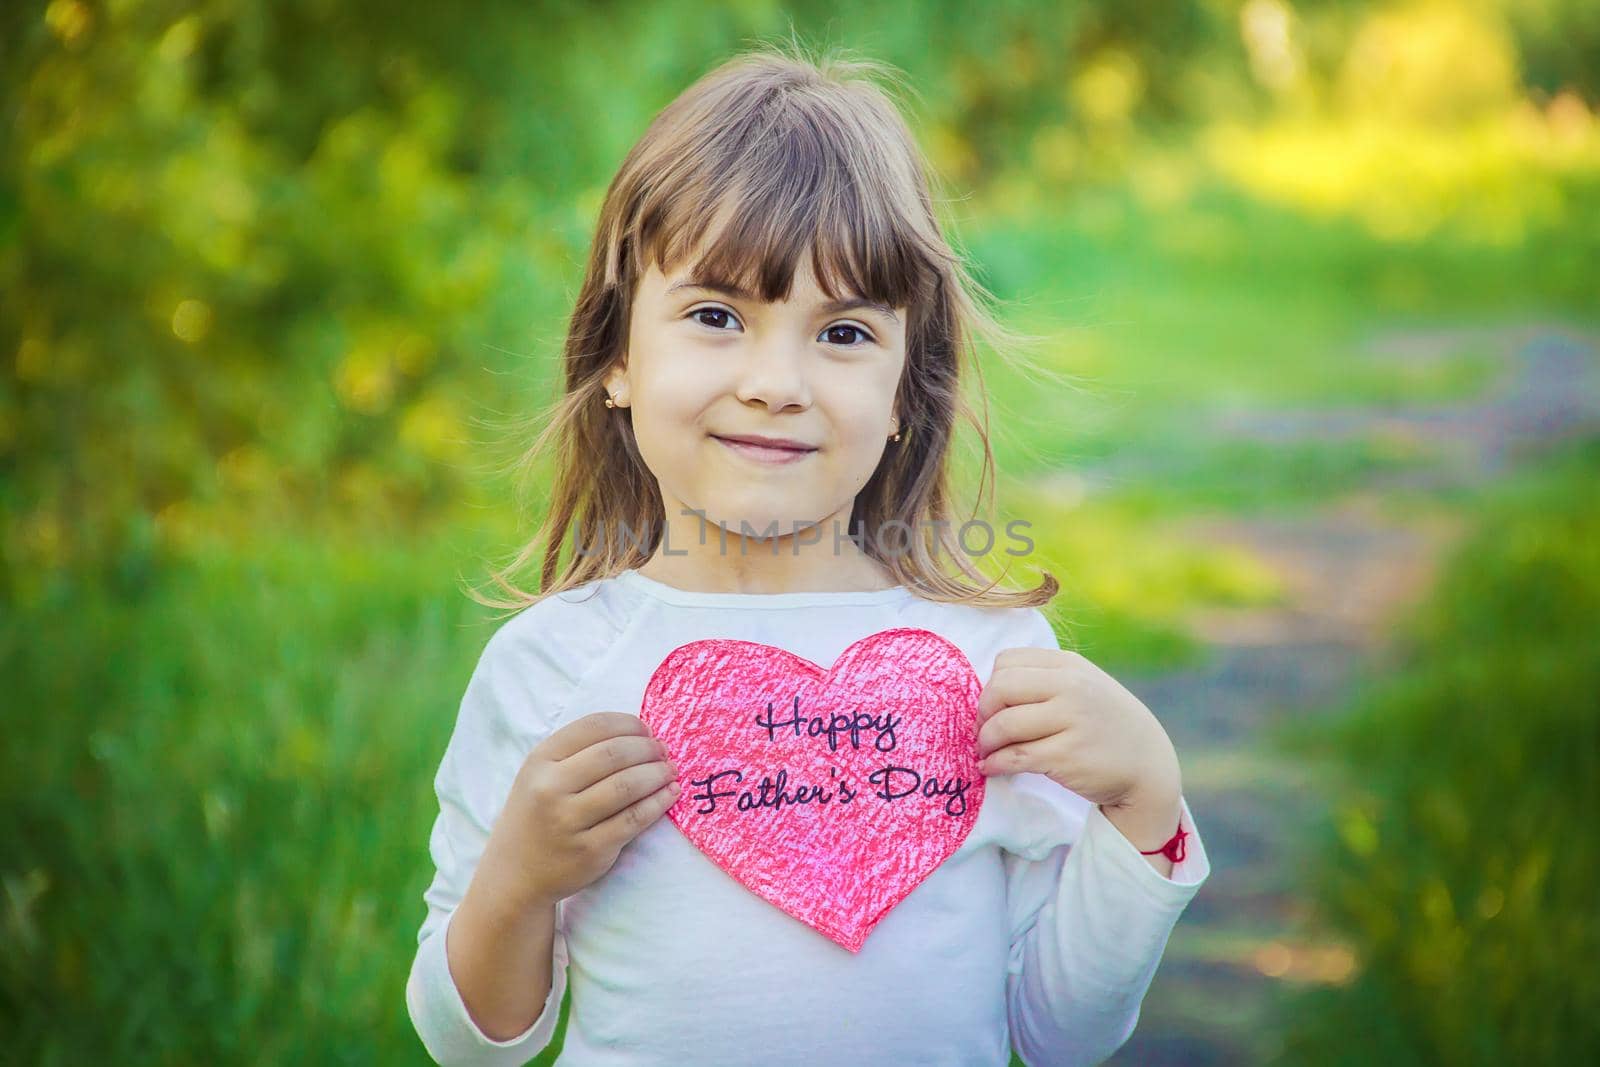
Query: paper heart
x,y
830,793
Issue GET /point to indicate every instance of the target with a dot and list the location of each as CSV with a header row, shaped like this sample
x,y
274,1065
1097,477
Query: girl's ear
x,y
616,385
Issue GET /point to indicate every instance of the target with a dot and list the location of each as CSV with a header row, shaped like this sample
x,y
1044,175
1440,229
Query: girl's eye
x,y
865,336
697,312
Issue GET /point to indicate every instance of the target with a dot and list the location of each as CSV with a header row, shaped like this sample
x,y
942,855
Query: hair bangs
x,y
804,188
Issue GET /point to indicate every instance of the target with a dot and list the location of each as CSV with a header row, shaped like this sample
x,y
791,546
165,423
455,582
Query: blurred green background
x,y
277,281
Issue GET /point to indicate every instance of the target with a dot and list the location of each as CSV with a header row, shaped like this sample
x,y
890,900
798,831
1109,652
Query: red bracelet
x,y
1173,849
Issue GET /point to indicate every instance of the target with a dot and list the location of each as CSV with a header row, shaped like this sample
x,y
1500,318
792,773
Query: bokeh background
x,y
278,278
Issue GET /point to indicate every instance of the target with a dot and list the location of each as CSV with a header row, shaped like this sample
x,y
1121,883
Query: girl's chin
x,y
764,520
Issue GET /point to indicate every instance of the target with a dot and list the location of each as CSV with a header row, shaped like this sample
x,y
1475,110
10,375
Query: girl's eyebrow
x,y
832,307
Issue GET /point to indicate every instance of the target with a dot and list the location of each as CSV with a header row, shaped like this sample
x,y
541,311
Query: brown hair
x,y
770,155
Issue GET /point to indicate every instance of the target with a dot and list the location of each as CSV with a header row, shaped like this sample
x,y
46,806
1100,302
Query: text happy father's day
x,y
892,782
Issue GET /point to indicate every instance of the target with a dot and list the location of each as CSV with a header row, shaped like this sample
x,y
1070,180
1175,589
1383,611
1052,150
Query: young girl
x,y
761,390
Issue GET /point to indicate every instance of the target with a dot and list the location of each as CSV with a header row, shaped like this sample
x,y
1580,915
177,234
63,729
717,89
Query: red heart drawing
x,y
832,794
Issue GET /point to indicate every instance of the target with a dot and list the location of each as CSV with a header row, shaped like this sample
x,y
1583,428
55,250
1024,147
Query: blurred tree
x,y
1559,42
246,247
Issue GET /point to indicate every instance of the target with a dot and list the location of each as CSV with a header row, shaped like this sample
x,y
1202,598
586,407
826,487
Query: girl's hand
x,y
581,794
1054,712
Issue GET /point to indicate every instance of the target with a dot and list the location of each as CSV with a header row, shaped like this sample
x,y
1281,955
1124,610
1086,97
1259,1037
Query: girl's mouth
x,y
767,450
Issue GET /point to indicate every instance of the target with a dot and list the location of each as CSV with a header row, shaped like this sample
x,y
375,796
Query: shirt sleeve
x,y
496,727
1089,918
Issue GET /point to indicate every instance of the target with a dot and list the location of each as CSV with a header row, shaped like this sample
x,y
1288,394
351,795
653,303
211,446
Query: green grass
x,y
1459,858
1269,311
219,798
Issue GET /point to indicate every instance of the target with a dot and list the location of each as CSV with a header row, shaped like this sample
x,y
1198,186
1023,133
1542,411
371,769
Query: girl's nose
x,y
774,374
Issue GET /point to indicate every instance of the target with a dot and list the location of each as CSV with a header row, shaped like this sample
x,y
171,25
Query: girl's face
x,y
706,366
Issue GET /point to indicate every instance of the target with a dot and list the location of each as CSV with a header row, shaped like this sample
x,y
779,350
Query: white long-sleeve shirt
x,y
1042,932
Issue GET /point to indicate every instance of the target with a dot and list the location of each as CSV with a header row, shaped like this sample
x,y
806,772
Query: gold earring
x,y
896,437
609,402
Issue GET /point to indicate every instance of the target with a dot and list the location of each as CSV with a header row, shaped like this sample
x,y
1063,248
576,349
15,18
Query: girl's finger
x,y
1018,684
601,802
604,758
637,817
1015,759
1016,724
591,729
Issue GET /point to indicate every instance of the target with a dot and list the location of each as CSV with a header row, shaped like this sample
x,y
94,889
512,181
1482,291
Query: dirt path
x,y
1351,566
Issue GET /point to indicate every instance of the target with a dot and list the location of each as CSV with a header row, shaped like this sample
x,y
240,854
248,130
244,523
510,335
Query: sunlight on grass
x,y
1127,585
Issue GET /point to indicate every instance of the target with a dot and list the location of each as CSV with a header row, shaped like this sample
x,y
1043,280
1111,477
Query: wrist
x,y
509,893
1157,790
1148,818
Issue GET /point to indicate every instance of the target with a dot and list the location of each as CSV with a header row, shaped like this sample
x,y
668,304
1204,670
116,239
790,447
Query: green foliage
x,y
1461,859
217,800
1559,41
